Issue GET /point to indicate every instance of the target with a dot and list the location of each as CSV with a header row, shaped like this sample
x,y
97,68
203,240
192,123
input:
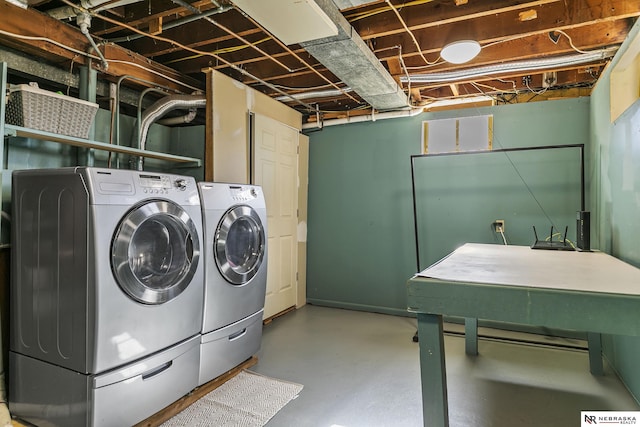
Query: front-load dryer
x,y
106,265
235,253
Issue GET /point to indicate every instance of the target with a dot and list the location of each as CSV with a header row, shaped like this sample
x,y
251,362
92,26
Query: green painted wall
x,y
616,159
361,247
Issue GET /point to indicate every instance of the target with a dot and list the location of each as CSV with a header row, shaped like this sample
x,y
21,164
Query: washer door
x,y
155,252
239,244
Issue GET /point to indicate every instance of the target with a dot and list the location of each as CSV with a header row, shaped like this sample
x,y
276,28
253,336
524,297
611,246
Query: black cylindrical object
x,y
583,230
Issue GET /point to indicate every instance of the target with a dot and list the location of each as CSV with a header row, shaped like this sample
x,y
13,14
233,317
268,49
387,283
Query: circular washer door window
x,y
239,244
155,252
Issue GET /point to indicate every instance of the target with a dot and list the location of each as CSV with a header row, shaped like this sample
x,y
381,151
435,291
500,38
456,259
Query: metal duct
x,y
509,67
180,120
20,3
345,4
350,59
162,107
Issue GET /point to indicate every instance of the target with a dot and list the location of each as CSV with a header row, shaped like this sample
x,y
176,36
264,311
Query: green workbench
x,y
582,291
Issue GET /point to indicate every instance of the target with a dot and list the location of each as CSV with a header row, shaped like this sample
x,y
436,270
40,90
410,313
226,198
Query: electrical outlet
x,y
498,225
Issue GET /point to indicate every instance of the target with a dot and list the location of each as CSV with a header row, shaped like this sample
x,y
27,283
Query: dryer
x,y
235,253
106,294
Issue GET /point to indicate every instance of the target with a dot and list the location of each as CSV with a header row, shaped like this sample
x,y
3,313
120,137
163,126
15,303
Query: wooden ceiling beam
x,y
603,33
595,36
121,61
150,11
395,69
201,33
434,14
496,28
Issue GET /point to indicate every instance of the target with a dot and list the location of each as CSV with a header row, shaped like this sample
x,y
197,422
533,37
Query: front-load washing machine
x,y
106,293
235,253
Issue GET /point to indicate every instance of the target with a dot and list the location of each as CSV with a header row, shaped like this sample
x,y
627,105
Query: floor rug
x,y
246,400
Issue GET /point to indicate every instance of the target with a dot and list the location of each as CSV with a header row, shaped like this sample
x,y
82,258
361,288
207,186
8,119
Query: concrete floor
x,y
362,370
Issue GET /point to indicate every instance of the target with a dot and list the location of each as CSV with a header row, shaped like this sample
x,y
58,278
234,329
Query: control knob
x,y
181,183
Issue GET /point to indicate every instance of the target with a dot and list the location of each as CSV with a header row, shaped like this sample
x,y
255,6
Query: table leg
x,y
471,336
433,373
595,353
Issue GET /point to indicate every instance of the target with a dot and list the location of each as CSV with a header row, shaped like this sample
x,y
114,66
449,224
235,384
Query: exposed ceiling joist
x,y
386,38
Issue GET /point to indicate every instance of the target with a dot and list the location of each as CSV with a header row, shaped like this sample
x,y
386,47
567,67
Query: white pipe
x,y
316,94
20,3
66,12
365,118
509,67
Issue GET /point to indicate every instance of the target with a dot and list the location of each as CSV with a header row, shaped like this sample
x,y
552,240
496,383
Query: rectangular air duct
x,y
343,52
291,21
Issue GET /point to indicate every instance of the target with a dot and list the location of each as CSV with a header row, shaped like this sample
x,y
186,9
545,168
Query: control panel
x,y
160,184
243,194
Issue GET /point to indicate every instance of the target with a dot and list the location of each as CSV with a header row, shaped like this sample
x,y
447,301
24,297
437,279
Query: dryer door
x,y
239,244
155,252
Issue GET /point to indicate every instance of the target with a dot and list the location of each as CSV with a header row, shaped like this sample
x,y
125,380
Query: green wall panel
x,y
360,236
459,197
361,244
615,153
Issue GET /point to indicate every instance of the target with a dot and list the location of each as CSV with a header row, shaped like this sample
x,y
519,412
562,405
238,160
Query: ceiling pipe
x,y
364,118
176,23
84,22
20,3
317,94
66,12
510,67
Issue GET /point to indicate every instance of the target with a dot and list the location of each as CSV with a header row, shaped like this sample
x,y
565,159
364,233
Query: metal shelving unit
x,y
18,131
11,131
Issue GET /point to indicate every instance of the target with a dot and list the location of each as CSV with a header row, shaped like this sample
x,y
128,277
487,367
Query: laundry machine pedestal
x,y
50,395
226,348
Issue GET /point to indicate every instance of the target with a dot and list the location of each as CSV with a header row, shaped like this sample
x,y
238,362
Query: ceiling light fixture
x,y
460,51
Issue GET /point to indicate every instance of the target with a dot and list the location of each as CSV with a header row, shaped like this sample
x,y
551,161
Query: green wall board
x,y
459,197
361,244
615,154
360,235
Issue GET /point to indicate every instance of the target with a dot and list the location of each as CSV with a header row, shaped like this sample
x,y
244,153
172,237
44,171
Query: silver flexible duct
x,y
187,118
162,107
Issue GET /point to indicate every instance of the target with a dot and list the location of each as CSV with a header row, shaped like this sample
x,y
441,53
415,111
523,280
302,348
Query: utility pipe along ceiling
x,y
341,58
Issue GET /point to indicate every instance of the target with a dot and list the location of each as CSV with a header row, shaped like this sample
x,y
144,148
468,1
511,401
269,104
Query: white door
x,y
275,168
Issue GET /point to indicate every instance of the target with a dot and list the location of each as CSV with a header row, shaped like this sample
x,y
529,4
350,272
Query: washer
x,y
235,253
107,286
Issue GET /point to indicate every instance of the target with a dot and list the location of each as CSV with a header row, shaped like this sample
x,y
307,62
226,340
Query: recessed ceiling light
x,y
461,51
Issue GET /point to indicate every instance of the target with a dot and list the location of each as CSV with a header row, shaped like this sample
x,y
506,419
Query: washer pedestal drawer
x,y
226,348
45,394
